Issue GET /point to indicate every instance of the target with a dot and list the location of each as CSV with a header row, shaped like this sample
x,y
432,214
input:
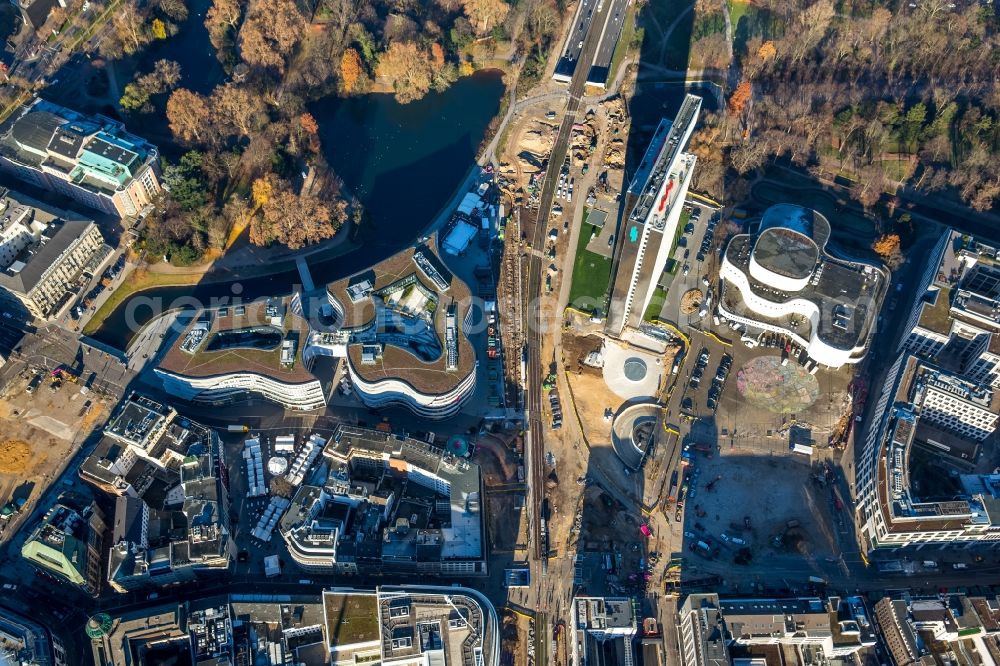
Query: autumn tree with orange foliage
x,y
311,129
740,97
308,123
351,70
437,55
887,246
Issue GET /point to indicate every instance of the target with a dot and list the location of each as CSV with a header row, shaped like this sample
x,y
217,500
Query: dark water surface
x,y
201,71
403,161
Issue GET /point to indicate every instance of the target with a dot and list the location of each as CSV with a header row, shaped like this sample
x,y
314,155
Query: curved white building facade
x,y
392,391
783,279
230,387
400,329
397,392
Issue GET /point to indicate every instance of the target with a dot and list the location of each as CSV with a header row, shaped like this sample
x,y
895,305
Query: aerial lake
x,y
402,161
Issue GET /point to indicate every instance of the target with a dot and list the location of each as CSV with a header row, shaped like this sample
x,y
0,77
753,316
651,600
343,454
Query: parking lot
x,y
695,258
706,383
747,496
756,511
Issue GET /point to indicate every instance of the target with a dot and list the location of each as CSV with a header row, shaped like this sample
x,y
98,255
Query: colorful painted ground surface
x,y
784,389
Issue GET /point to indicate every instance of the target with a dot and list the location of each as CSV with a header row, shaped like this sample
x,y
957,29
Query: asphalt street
x,y
610,32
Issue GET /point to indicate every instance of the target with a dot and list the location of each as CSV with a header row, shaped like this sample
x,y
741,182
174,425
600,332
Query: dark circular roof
x,y
786,252
635,369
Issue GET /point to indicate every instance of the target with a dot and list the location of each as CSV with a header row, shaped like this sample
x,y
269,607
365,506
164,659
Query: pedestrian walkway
x,y
307,282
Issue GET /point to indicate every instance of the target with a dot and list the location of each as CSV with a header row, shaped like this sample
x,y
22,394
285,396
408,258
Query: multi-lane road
x,y
581,51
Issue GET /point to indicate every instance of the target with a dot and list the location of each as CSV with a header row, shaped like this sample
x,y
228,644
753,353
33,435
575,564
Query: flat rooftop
x,y
422,362
351,618
847,293
965,288
601,613
201,361
414,624
463,475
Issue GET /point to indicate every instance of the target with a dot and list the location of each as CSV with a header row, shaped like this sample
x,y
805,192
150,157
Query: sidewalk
x,y
250,261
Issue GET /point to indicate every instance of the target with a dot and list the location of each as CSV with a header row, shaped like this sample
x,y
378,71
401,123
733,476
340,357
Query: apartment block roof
x,y
95,151
55,231
369,304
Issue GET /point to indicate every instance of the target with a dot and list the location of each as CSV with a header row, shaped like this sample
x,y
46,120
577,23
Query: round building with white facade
x,y
783,278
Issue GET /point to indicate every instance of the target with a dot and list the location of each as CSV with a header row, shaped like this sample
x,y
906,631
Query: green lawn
x,y
683,222
136,282
737,10
655,304
591,275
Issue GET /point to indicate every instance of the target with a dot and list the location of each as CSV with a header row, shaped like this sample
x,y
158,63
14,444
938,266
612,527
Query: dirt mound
x,y
691,301
576,349
537,141
15,456
615,155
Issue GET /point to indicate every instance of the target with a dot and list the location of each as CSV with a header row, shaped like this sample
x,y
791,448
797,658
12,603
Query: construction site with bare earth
x,y
43,420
